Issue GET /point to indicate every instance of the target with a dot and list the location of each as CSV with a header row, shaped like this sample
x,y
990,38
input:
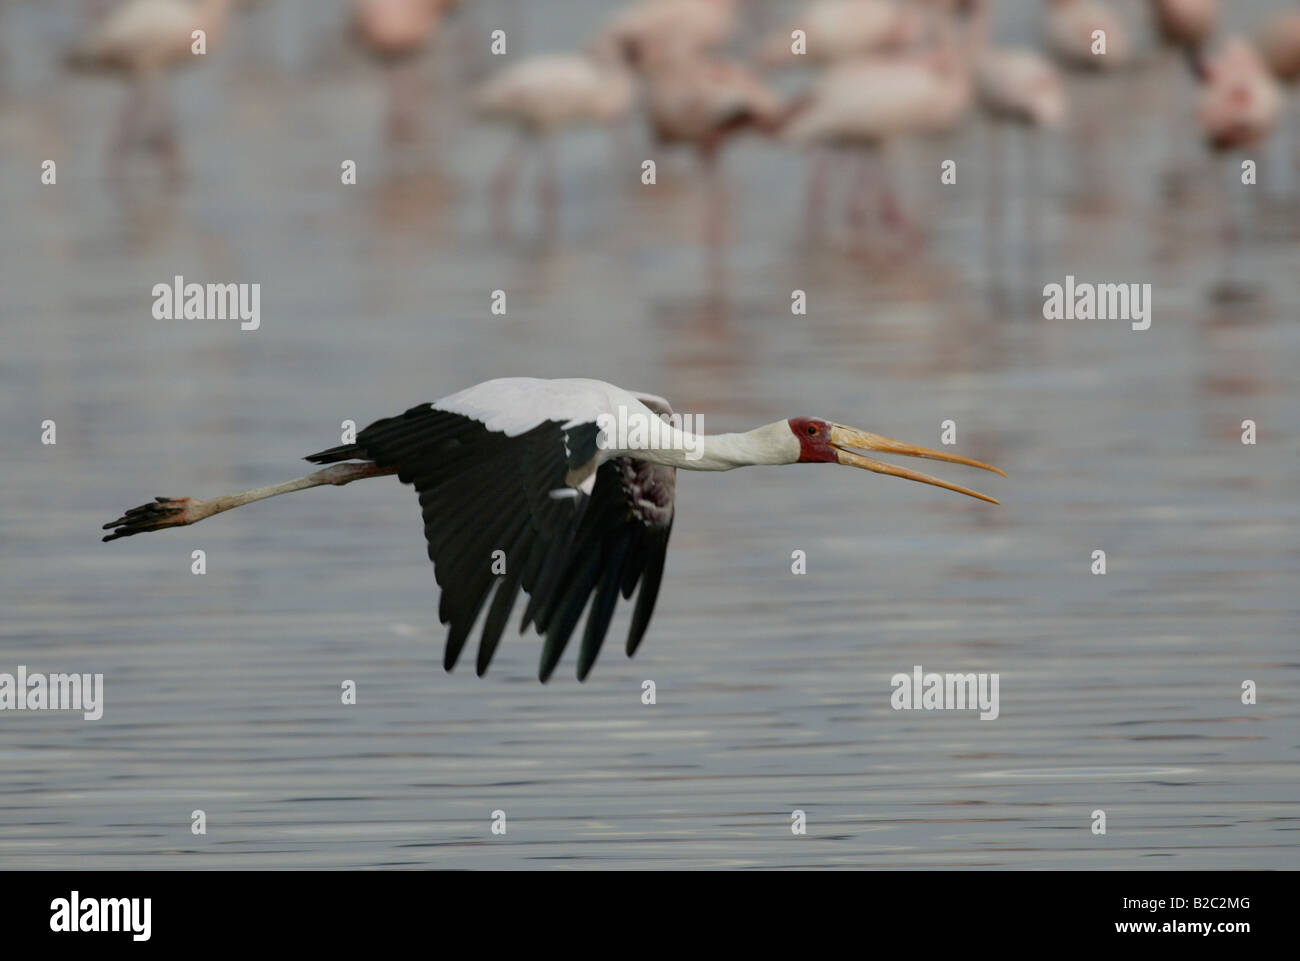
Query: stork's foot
x,y
159,513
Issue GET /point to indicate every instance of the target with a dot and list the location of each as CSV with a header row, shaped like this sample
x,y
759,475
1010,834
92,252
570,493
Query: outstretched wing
x,y
502,514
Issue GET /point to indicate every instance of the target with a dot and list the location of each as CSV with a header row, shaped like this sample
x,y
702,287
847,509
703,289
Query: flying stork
x,y
534,468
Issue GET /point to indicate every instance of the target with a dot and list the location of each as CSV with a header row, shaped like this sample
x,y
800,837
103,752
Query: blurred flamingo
x,y
652,30
1070,28
836,30
1014,83
541,95
704,103
142,40
1185,23
1238,110
1015,86
395,32
867,105
1279,42
1183,27
1240,99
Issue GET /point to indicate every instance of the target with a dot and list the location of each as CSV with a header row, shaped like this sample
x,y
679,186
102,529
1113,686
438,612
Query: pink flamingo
x,y
868,105
538,97
837,30
1019,85
1070,28
142,40
1014,83
1240,100
1074,28
1182,25
395,32
1238,110
1185,23
652,30
1279,42
1014,86
704,103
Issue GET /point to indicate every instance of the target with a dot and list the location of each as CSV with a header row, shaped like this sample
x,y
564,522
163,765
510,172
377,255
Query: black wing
x,y
482,492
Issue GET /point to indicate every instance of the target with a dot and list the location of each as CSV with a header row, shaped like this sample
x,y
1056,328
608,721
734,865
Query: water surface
x,y
1119,693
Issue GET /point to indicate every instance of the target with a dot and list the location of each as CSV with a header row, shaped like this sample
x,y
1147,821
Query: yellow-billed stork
x,y
573,479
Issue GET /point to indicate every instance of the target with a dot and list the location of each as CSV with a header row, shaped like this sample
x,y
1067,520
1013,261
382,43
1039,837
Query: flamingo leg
x,y
716,208
403,97
891,211
995,204
124,138
503,182
1231,232
548,188
815,201
1174,101
168,142
1294,134
1230,287
1033,201
860,190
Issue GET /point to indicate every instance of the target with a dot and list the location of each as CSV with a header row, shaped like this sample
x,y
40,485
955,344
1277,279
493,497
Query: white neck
x,y
771,444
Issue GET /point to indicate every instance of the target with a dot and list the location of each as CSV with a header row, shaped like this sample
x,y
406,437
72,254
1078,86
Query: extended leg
x,y
548,187
716,202
168,142
180,511
128,127
503,183
1230,288
1033,201
860,191
1294,134
815,200
403,100
892,214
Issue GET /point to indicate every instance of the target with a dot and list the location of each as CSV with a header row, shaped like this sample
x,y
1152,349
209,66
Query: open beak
x,y
843,438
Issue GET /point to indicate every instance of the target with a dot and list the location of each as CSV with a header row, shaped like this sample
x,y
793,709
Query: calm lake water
x,y
1119,692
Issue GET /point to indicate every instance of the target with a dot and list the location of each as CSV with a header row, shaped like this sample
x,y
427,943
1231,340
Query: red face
x,y
814,437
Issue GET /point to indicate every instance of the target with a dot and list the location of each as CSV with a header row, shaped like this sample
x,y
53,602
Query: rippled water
x,y
1119,693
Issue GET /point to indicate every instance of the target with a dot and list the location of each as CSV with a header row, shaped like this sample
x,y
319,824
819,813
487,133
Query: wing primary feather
x,y
602,608
474,590
602,526
551,582
645,600
452,550
503,602
567,614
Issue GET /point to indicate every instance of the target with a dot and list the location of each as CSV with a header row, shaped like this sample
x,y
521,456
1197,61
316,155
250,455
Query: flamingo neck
x,y
212,14
980,29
